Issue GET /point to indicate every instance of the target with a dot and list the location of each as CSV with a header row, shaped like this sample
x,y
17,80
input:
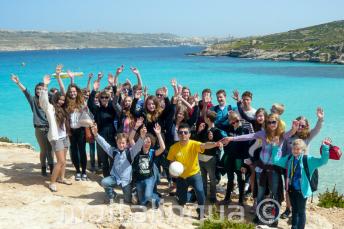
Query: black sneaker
x,y
285,214
44,171
200,215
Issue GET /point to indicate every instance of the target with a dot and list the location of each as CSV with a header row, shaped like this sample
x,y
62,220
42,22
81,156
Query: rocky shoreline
x,y
311,55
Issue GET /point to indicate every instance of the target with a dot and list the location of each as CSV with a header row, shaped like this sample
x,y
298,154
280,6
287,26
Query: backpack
x,y
314,180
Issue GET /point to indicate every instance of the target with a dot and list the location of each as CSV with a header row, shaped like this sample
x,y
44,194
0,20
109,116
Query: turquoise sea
x,y
300,86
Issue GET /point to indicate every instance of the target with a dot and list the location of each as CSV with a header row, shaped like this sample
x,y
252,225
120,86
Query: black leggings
x,y
78,149
106,161
230,184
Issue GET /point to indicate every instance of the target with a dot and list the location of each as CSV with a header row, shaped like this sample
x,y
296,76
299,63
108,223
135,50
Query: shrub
x,y
5,139
331,199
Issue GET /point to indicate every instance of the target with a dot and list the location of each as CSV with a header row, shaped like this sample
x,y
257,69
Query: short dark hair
x,y
246,94
207,90
183,125
221,91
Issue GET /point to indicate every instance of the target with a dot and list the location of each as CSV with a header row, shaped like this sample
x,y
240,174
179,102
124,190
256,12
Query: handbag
x,y
335,152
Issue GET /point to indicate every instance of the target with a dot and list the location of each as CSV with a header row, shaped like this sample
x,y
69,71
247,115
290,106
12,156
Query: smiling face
x,y
260,117
303,125
147,144
246,101
272,123
104,99
38,90
221,99
150,105
121,143
127,102
184,134
61,101
73,93
298,147
185,93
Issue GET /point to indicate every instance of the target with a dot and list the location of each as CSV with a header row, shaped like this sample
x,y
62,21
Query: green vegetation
x,y
320,43
5,139
331,199
214,222
34,40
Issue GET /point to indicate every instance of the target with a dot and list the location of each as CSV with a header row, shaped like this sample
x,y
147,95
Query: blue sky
x,y
182,17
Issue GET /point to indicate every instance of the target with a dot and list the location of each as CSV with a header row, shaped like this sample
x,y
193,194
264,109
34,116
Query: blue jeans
x,y
108,183
273,186
196,183
145,191
209,167
298,208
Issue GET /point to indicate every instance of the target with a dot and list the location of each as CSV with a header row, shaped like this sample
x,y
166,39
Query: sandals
x,y
53,187
64,181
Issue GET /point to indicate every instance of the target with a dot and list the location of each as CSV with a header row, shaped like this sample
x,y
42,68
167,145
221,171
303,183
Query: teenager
x,y
57,135
40,123
186,152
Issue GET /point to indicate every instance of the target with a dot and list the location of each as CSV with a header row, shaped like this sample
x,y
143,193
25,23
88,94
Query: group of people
x,y
137,135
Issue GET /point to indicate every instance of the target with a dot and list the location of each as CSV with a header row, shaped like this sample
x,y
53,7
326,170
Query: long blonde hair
x,y
279,130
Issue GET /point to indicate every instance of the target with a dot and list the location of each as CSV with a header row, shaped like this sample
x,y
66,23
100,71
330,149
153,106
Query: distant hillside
x,y
34,40
320,43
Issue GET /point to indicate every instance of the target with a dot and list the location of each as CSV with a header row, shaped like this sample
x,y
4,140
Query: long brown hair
x,y
60,113
77,103
305,133
279,130
153,116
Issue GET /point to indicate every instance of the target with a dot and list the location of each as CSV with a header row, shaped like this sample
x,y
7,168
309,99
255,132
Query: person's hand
x,y
219,144
295,125
15,78
90,75
139,122
145,91
165,90
135,71
226,140
120,70
46,80
58,70
111,79
100,76
70,74
327,141
320,113
157,129
174,100
119,90
180,88
173,82
235,95
143,132
96,85
94,129
201,127
207,100
196,98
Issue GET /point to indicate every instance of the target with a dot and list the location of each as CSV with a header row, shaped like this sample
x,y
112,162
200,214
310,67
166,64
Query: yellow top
x,y
187,155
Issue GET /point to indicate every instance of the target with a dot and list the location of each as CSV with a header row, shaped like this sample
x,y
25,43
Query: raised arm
x,y
101,141
138,76
88,86
157,130
276,154
325,151
119,70
210,145
90,103
15,79
58,71
175,87
315,131
71,76
139,143
43,98
292,131
115,100
138,124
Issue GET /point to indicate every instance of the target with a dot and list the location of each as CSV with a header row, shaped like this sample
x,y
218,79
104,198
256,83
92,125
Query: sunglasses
x,y
235,122
302,126
159,95
105,97
272,122
183,132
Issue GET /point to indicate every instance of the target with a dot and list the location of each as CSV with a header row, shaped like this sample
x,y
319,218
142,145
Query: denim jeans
x,y
273,186
196,183
298,208
145,191
209,167
108,183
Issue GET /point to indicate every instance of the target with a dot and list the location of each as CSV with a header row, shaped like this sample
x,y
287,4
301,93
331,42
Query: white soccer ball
x,y
176,169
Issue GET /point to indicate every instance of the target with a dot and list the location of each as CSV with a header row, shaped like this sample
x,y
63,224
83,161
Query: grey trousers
x,y
46,153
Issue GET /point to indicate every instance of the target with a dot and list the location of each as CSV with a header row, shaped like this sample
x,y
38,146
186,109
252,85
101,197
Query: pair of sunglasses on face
x,y
183,132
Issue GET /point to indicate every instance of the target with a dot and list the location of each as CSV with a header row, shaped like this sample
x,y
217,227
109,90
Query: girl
x,y
144,170
297,181
74,107
306,134
266,173
57,134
